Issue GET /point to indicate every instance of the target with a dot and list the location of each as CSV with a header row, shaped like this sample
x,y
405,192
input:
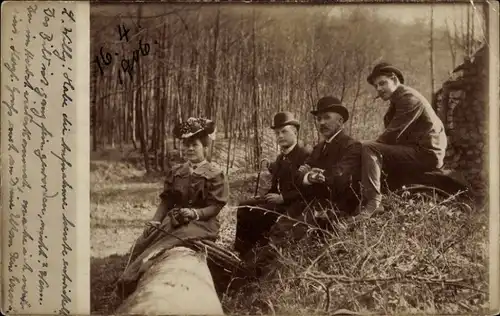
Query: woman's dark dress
x,y
205,189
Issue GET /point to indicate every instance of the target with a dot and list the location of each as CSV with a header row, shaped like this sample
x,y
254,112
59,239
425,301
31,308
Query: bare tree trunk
x,y
122,114
473,41
165,94
255,98
453,52
155,139
356,96
102,116
211,69
133,115
432,49
179,283
111,110
94,111
142,129
468,39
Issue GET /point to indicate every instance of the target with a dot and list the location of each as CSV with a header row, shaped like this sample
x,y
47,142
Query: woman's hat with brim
x,y
284,118
385,69
194,127
331,104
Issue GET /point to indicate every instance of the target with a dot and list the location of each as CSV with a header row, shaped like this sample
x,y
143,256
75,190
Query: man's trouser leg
x,y
393,159
251,226
286,230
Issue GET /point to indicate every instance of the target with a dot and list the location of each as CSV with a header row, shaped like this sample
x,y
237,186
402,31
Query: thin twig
x,y
403,279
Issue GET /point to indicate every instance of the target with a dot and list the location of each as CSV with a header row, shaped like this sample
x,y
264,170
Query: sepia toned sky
x,y
409,13
402,12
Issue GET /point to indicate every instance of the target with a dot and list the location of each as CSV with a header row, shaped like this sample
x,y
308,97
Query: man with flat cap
x,y
414,137
253,224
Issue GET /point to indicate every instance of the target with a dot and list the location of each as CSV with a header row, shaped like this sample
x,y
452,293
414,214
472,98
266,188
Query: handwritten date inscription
x,y
38,142
129,63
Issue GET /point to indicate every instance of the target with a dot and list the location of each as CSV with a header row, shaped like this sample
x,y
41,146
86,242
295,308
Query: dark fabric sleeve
x,y
310,154
218,194
295,193
274,172
291,195
310,157
166,197
339,177
274,185
407,109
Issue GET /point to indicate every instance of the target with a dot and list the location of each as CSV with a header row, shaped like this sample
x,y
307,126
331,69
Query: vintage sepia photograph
x,y
289,158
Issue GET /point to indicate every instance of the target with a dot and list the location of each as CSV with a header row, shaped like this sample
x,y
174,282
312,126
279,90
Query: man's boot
x,y
372,207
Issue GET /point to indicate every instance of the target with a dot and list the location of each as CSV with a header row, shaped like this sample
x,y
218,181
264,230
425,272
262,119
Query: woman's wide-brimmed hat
x,y
284,118
195,127
385,69
331,104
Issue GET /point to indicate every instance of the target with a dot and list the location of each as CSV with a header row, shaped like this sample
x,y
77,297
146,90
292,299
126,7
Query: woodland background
x,y
239,65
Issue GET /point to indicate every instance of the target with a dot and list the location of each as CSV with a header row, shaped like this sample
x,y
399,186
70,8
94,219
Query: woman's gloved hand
x,y
149,229
188,214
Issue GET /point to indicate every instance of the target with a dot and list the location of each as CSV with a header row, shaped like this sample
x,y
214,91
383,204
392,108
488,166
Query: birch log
x,y
178,283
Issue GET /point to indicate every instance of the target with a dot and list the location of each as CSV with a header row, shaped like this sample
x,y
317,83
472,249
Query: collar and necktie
x,y
330,140
285,152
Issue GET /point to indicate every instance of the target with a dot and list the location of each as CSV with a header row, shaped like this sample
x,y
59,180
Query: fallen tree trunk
x,y
178,283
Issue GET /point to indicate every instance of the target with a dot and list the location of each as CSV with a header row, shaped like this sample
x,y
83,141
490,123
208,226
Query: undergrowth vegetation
x,y
418,256
422,255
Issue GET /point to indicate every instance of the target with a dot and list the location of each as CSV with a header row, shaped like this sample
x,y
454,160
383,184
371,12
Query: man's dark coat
x,y
253,225
341,160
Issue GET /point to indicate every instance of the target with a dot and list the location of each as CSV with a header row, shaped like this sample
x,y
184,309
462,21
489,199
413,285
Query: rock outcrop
x,y
462,104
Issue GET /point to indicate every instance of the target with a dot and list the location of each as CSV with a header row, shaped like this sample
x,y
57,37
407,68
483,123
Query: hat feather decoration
x,y
195,126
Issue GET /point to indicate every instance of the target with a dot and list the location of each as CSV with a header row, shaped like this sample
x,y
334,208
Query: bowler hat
x,y
385,69
284,118
331,104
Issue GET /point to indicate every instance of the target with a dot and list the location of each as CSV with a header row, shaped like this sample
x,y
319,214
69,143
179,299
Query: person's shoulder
x,y
409,96
345,137
305,149
210,170
319,145
179,169
349,141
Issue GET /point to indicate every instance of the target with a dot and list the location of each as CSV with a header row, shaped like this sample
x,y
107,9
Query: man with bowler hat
x,y
252,223
331,175
330,178
414,137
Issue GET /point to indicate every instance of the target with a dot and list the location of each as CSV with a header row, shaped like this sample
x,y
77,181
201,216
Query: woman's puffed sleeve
x,y
217,196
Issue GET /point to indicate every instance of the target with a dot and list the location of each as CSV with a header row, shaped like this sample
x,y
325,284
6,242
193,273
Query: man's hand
x,y
274,198
317,170
188,213
316,177
304,168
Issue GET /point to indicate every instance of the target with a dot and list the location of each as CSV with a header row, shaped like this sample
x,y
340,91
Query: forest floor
x,y
419,256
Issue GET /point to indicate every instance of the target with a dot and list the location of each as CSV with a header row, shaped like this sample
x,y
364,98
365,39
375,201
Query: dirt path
x,y
119,210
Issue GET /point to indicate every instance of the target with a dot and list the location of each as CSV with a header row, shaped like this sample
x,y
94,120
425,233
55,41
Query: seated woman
x,y
193,195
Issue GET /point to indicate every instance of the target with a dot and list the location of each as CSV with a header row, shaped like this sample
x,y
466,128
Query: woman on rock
x,y
194,193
